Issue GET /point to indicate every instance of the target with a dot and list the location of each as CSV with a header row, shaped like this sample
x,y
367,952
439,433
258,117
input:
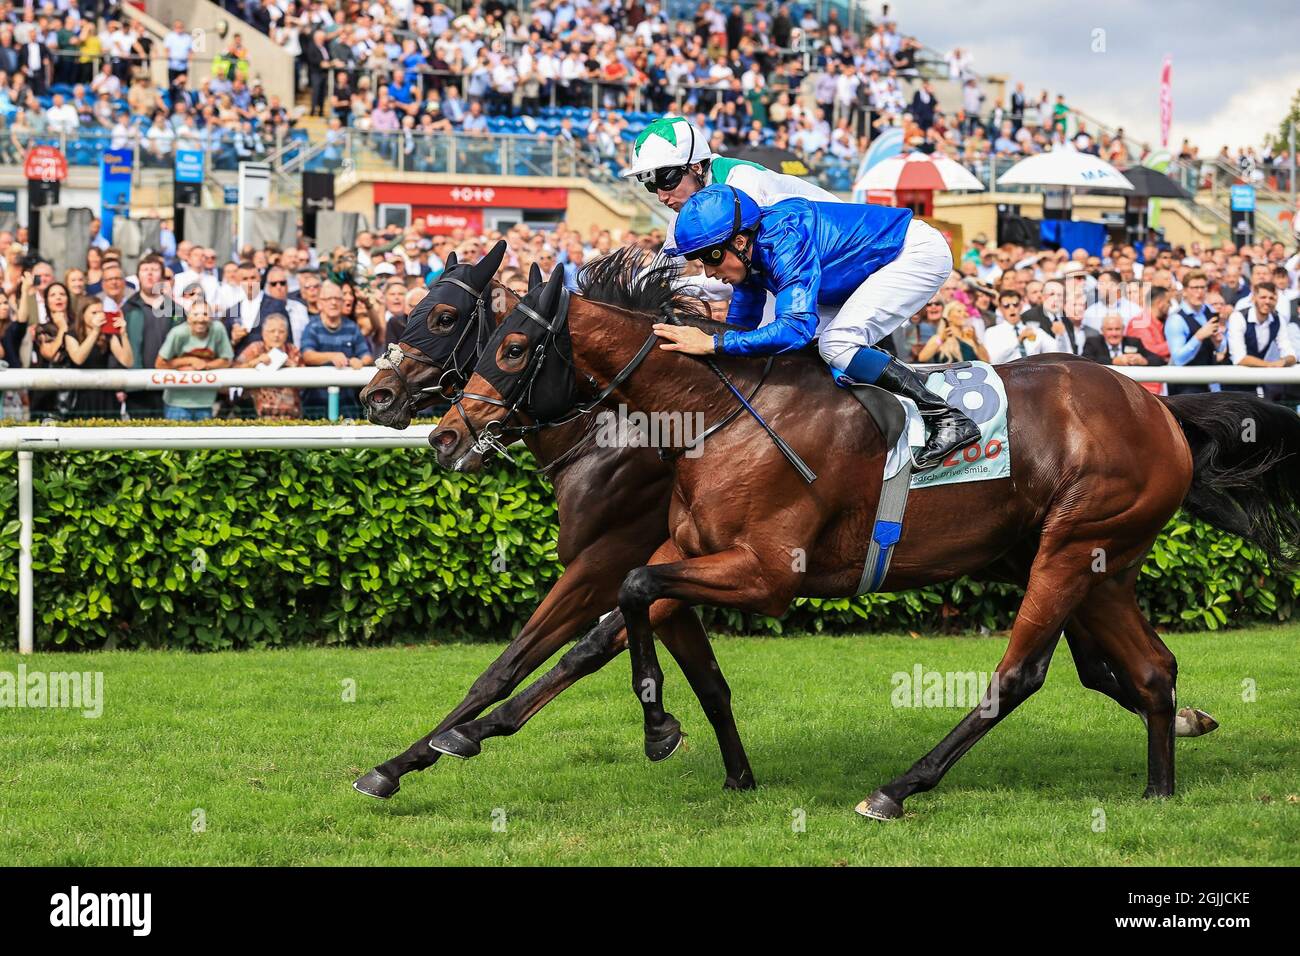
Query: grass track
x,y
263,743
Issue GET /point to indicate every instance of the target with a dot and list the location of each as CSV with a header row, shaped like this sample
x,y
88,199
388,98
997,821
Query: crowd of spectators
x,y
65,71
1199,305
196,308
404,71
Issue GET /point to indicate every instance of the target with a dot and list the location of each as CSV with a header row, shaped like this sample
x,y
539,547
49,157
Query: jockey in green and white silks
x,y
672,159
876,265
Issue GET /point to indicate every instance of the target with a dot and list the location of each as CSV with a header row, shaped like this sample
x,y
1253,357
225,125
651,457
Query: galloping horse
x,y
1071,525
613,510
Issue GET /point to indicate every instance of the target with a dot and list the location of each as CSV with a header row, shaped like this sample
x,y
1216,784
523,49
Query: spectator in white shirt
x,y
1110,301
61,116
1010,339
1258,337
196,273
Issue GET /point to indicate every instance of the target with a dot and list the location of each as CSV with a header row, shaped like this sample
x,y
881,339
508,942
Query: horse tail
x,y
1245,468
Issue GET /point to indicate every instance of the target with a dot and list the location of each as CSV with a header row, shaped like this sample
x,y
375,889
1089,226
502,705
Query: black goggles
x,y
710,255
713,255
666,178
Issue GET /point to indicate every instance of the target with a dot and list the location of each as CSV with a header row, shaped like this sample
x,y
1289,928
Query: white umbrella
x,y
1065,166
917,171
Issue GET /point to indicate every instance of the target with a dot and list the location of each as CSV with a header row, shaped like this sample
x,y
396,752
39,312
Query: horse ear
x,y
451,262
551,294
487,267
534,276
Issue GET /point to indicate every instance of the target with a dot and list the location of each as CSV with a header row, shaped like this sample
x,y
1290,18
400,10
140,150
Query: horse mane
x,y
642,283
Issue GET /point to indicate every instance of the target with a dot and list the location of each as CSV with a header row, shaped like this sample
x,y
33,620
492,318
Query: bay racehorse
x,y
613,511
1071,525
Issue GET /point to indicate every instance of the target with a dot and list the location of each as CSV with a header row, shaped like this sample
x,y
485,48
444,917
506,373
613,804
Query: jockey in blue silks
x,y
877,264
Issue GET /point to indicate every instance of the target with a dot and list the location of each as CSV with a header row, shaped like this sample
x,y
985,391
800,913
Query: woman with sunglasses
x,y
877,264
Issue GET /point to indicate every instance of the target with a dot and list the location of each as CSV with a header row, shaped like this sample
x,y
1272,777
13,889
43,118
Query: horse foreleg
x,y
688,642
684,636
597,648
567,606
733,578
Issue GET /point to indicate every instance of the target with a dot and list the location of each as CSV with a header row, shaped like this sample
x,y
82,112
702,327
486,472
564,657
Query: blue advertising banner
x,y
189,165
114,188
1242,198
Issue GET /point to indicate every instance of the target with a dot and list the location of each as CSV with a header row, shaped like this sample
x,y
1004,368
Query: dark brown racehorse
x,y
1098,468
613,510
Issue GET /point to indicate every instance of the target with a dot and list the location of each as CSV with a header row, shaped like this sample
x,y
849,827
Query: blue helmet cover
x,y
709,218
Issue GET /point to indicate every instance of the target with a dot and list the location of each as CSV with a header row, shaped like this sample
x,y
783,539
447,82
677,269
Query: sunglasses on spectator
x,y
665,179
277,282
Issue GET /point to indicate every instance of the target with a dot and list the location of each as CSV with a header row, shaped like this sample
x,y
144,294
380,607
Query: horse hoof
x,y
661,748
1190,722
878,806
1157,793
745,782
455,744
376,784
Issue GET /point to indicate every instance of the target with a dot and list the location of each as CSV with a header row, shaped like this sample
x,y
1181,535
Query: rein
x,y
489,439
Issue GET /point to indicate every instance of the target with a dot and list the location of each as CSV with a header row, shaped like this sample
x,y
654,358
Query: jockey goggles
x,y
667,178
713,255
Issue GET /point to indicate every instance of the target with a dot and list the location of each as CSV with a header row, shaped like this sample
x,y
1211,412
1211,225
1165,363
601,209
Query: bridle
x,y
490,437
454,374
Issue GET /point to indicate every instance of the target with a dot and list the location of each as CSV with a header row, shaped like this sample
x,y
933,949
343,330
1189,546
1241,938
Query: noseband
x,y
394,355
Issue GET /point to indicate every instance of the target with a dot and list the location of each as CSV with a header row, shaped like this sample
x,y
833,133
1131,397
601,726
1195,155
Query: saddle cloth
x,y
977,390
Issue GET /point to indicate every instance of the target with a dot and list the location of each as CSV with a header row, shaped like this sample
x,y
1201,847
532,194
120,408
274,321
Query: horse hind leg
x,y
1143,666
1058,581
1097,672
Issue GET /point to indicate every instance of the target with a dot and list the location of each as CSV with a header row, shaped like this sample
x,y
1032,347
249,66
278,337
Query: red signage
x,y
472,196
46,164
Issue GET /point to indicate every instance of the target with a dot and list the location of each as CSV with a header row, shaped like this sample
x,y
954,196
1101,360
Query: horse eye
x,y
446,318
515,351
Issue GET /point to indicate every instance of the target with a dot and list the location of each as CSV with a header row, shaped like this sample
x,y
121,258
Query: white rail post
x,y
25,522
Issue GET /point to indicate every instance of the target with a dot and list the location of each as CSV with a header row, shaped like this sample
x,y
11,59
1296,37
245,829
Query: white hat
x,y
668,141
384,269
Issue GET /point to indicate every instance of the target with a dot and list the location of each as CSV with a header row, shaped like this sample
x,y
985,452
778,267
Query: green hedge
x,y
219,549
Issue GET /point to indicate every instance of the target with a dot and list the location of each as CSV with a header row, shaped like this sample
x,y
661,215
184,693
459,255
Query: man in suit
x,y
1050,311
924,105
1010,338
1018,107
1075,337
244,319
318,64
1121,349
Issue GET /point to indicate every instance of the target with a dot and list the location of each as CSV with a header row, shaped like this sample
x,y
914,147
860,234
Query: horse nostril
x,y
444,440
381,398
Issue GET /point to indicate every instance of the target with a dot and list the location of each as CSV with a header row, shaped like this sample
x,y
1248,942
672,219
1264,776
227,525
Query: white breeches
x,y
889,297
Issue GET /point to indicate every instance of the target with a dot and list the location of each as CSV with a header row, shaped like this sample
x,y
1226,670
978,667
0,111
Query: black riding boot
x,y
947,429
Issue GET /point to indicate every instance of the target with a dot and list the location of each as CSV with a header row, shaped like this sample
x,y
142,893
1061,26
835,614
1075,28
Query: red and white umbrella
x,y
917,171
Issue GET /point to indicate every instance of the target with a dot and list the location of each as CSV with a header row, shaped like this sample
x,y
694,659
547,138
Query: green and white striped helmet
x,y
668,141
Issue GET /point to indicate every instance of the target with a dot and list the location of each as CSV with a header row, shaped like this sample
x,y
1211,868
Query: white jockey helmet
x,y
667,142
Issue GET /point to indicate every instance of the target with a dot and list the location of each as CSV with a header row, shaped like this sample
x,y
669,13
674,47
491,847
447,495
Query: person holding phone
x,y
89,342
1194,332
955,340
